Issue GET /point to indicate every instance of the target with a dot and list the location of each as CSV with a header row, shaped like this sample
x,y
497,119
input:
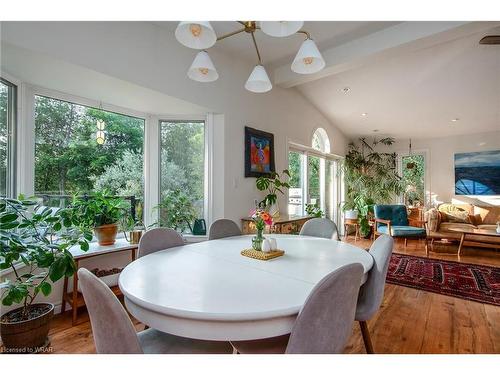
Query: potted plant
x,y
371,178
273,184
314,210
133,229
101,213
176,211
261,218
37,238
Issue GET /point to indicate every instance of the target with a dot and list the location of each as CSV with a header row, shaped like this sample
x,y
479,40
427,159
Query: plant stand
x,y
75,298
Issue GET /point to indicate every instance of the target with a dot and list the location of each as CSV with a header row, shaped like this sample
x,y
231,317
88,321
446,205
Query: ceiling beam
x,y
403,37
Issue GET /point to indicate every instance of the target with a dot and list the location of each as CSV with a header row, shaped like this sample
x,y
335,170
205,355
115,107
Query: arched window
x,y
320,141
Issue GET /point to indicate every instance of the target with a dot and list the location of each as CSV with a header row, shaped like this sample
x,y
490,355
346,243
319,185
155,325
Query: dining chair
x,y
320,227
223,228
114,332
324,323
372,291
158,239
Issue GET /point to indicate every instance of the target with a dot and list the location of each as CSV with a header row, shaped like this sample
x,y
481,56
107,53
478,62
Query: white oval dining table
x,y
208,290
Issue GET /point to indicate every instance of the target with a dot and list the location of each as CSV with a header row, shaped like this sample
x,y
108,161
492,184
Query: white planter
x,y
351,214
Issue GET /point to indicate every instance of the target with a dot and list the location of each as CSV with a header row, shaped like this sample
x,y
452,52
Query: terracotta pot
x,y
106,234
29,335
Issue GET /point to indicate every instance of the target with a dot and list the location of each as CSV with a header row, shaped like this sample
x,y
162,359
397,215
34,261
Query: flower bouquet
x,y
261,218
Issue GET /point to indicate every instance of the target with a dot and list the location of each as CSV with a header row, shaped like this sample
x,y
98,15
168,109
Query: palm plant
x,y
370,177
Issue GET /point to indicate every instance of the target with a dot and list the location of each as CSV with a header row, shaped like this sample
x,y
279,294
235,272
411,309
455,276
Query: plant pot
x,y
26,336
106,234
351,214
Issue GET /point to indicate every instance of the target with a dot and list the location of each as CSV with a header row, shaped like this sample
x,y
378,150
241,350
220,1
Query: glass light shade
x,y
100,124
308,59
196,34
202,69
100,137
280,29
258,80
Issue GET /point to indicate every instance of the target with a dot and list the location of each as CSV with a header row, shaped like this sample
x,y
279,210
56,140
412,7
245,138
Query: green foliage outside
x,y
314,210
413,180
177,211
3,138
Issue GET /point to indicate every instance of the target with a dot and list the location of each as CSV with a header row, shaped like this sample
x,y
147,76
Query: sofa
x,y
447,216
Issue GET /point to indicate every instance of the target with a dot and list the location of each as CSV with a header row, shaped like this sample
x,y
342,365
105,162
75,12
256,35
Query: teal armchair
x,y
392,219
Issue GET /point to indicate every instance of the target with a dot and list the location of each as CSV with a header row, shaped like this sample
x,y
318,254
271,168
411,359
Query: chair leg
x,y
366,337
406,242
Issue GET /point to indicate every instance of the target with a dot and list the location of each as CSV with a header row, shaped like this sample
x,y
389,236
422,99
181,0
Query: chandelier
x,y
201,36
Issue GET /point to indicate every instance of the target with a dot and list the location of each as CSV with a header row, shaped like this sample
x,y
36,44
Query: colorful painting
x,y
259,152
477,173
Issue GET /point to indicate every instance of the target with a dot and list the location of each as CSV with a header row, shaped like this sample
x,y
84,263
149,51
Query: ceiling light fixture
x,y
100,135
201,35
455,120
364,114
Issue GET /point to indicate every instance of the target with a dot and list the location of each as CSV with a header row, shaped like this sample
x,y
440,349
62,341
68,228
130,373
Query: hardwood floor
x,y
409,321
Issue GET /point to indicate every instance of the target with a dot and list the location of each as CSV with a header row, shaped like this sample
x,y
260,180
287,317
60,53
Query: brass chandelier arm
x,y
230,34
305,33
256,48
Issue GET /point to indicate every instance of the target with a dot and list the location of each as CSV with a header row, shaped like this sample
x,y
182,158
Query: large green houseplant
x,y
102,213
34,243
370,177
274,184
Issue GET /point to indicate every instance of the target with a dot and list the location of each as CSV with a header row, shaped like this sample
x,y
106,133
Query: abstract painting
x,y
477,173
259,152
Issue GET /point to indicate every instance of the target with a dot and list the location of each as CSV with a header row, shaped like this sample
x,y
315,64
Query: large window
x,y
182,175
7,128
80,149
314,176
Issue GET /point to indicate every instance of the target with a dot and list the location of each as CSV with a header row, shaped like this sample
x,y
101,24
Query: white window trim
x,y
208,163
25,144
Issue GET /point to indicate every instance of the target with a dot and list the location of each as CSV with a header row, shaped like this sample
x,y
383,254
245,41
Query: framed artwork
x,y
477,173
259,152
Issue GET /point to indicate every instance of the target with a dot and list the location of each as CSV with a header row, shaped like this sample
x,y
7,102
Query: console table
x,y
285,224
75,298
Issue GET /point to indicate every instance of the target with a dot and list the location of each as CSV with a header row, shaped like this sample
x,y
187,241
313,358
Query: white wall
x,y
148,55
440,153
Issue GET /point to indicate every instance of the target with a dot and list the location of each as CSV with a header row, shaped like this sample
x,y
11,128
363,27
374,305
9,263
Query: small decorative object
x,y
259,153
133,236
266,246
273,184
274,244
498,227
260,218
260,255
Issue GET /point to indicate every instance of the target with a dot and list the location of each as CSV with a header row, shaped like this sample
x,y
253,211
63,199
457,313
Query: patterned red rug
x,y
462,280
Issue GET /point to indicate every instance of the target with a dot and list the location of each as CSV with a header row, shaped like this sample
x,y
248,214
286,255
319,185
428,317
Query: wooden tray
x,y
260,255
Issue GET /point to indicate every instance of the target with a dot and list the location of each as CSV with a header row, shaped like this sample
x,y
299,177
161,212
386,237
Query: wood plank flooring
x,y
409,321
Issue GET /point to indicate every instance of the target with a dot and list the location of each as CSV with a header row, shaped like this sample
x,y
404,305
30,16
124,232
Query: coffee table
x,y
475,232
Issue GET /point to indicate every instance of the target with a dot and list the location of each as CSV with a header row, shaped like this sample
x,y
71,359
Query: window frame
x,y
307,151
12,120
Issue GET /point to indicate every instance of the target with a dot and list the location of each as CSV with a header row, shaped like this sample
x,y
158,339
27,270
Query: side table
x,y
355,224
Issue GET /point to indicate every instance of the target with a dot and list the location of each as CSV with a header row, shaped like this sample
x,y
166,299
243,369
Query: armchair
x,y
392,219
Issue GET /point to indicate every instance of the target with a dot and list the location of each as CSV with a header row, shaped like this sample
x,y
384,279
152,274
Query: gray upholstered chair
x,y
158,239
114,332
325,322
372,291
223,228
320,227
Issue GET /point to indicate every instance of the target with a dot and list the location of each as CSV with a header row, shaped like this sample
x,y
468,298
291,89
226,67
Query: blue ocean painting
x,y
477,173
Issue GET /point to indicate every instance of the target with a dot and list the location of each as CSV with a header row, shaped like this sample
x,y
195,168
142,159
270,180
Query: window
x,y
79,149
7,131
314,175
414,179
182,175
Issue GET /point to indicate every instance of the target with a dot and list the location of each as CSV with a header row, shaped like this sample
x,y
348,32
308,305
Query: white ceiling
x,y
416,94
281,50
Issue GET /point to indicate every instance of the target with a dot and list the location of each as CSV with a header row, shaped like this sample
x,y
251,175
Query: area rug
x,y
463,280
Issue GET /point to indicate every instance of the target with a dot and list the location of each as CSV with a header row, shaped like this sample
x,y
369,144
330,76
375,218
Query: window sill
x,y
191,238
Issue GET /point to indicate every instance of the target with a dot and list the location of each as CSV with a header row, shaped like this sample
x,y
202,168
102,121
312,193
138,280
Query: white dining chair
x,y
325,322
114,332
372,291
158,239
223,228
320,227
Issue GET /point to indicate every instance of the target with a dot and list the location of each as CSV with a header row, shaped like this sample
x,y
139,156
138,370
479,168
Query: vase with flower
x,y
260,218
